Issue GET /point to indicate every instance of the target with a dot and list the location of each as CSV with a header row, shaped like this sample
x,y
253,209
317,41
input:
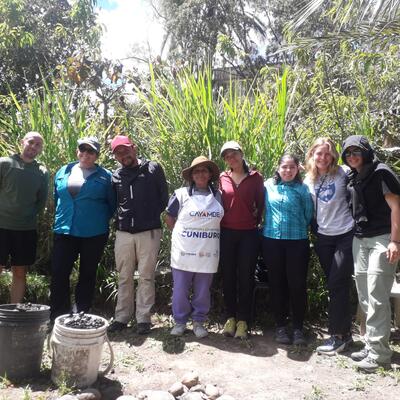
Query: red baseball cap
x,y
120,140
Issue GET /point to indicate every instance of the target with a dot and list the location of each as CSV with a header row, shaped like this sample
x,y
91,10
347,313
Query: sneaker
x,y
368,364
143,328
199,330
116,326
298,338
178,330
282,336
333,345
241,330
359,355
229,327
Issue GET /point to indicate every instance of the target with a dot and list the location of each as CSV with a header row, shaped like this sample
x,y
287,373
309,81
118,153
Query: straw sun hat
x,y
203,161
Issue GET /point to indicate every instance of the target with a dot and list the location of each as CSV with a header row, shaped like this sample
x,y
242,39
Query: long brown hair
x,y
311,169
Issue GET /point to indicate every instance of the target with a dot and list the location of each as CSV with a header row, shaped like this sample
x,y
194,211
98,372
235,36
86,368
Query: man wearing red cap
x,y
142,195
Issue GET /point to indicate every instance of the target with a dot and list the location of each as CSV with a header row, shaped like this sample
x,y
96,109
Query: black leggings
x,y
287,262
238,250
336,259
65,252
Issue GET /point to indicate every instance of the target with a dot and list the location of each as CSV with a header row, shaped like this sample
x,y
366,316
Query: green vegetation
x,y
325,80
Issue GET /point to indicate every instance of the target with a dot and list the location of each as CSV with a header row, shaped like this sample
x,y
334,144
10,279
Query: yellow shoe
x,y
229,327
241,330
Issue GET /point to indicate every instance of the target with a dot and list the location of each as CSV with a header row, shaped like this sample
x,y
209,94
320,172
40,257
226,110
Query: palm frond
x,y
380,34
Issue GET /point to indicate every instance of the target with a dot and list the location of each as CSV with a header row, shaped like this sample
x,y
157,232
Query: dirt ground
x,y
253,369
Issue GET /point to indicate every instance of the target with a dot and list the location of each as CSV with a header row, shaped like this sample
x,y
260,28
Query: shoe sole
x,y
374,369
340,349
357,359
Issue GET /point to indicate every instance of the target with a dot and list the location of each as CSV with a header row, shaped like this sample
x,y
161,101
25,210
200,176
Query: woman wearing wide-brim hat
x,y
194,213
243,201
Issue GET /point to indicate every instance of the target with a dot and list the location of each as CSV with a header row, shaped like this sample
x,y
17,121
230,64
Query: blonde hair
x,y
311,169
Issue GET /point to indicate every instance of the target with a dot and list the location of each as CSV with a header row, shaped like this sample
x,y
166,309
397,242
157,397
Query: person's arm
x,y
170,221
42,194
162,187
172,211
308,205
393,250
260,199
111,196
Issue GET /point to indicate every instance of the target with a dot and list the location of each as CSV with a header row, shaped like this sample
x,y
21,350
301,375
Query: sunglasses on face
x,y
354,153
88,150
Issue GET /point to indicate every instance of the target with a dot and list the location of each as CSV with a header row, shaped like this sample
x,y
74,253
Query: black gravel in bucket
x,y
29,307
82,321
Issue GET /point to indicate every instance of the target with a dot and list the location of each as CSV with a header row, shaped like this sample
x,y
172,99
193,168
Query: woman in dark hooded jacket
x,y
375,202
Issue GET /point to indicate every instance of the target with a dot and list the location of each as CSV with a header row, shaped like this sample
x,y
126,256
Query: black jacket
x,y
142,195
370,209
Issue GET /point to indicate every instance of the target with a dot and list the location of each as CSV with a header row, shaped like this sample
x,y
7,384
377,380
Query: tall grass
x,y
188,117
61,119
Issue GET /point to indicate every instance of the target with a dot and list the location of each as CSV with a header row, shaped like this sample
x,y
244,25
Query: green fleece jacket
x,y
23,193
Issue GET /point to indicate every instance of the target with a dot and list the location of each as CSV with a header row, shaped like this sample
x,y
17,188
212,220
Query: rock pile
x,y
189,388
29,307
82,321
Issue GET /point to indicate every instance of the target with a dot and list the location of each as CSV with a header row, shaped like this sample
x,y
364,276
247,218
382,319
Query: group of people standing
x,y
353,211
218,220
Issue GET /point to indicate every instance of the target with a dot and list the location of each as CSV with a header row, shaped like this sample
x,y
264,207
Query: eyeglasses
x,y
354,153
88,150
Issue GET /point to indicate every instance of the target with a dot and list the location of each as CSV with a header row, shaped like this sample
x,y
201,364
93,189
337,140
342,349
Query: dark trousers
x,y
238,255
66,249
287,262
336,259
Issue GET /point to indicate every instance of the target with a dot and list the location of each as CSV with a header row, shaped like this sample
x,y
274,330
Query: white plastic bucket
x,y
76,353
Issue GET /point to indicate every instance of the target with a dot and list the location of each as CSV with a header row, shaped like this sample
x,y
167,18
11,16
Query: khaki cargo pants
x,y
133,249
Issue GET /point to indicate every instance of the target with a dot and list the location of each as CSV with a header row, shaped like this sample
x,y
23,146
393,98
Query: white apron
x,y
195,238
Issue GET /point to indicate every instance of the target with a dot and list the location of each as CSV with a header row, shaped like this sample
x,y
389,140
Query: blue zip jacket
x,y
288,210
89,213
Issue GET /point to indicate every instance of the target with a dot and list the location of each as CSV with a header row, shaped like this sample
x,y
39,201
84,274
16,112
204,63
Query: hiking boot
x,y
116,326
282,336
143,328
241,330
229,327
359,355
369,365
178,330
199,330
298,338
334,345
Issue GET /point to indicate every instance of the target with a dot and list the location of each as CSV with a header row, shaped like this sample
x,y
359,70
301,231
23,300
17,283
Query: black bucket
x,y
23,329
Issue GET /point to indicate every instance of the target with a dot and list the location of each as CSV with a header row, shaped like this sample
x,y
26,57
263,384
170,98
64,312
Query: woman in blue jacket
x,y
288,212
84,203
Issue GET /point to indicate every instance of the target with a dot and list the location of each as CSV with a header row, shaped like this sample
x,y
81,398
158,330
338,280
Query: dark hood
x,y
362,143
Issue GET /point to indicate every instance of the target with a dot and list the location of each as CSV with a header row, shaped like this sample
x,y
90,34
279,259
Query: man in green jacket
x,y
23,194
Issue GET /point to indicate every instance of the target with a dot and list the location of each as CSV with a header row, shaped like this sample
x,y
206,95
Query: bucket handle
x,y
111,363
51,350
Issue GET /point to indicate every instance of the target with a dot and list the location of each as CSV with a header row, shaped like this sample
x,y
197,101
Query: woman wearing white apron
x,y
194,213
